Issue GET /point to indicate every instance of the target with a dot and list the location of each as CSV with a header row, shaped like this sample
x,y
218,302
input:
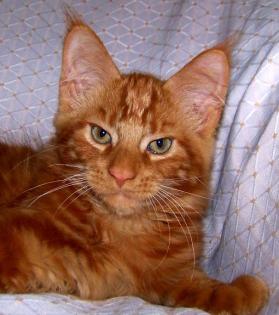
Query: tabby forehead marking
x,y
140,96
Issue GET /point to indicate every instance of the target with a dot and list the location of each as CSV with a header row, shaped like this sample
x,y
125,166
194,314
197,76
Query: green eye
x,y
159,146
100,135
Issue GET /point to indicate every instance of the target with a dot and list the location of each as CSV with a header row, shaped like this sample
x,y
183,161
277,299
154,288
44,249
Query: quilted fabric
x,y
160,37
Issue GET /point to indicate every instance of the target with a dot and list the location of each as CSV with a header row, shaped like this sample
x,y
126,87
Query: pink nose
x,y
121,175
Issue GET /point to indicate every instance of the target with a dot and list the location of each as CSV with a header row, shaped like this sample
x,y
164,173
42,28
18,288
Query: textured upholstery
x,y
160,36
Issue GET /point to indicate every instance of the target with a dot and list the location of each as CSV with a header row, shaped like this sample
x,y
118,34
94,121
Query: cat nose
x,y
121,175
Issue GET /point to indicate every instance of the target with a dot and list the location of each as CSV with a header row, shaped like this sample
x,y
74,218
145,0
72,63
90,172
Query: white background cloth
x,y
160,36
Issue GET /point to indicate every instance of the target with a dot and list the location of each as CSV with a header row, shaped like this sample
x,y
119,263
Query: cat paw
x,y
246,295
255,290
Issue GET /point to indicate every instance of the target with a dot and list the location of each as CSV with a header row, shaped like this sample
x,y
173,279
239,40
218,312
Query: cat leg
x,y
28,261
22,273
246,295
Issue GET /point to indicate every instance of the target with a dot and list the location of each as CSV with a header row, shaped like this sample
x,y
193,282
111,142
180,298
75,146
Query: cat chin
x,y
121,211
121,204
124,212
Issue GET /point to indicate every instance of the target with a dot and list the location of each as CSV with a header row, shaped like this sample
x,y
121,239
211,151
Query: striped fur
x,y
67,226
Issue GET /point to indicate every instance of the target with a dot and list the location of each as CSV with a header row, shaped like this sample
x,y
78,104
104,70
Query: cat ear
x,y
86,63
201,87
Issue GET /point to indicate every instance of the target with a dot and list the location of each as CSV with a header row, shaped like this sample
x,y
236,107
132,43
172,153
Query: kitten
x,y
113,204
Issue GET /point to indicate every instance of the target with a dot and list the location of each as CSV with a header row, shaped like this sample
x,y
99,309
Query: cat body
x,y
113,204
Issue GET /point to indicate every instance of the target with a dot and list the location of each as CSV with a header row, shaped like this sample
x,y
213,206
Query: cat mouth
x,y
124,194
120,196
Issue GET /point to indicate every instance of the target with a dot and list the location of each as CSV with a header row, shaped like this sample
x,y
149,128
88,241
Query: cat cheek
x,y
72,154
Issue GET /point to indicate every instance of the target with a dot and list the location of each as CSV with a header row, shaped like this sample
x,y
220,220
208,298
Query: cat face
x,y
141,141
133,143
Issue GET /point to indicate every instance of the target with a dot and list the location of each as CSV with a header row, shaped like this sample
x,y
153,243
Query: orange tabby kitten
x,y
113,205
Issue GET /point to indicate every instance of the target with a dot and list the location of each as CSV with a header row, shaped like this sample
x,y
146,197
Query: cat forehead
x,y
130,100
139,96
135,100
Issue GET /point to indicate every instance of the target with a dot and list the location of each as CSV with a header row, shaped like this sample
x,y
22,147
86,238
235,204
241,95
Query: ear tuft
x,y
72,18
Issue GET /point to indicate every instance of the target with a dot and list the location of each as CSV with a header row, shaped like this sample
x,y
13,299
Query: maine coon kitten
x,y
113,205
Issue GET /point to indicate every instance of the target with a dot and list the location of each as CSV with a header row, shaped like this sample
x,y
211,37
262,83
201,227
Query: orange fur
x,y
103,220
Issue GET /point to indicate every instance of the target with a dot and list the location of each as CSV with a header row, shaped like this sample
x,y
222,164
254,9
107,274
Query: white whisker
x,y
77,191
52,182
171,192
169,233
149,199
68,165
51,191
164,196
29,157
185,192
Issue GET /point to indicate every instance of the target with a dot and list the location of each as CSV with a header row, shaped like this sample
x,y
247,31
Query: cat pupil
x,y
160,143
102,133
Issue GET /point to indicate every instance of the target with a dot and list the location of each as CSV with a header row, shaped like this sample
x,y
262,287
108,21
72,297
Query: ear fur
x,y
201,86
86,63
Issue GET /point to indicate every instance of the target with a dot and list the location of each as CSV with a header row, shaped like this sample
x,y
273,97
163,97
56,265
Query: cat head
x,y
139,139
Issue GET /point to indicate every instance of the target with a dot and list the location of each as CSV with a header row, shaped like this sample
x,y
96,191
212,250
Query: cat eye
x,y
100,135
159,146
